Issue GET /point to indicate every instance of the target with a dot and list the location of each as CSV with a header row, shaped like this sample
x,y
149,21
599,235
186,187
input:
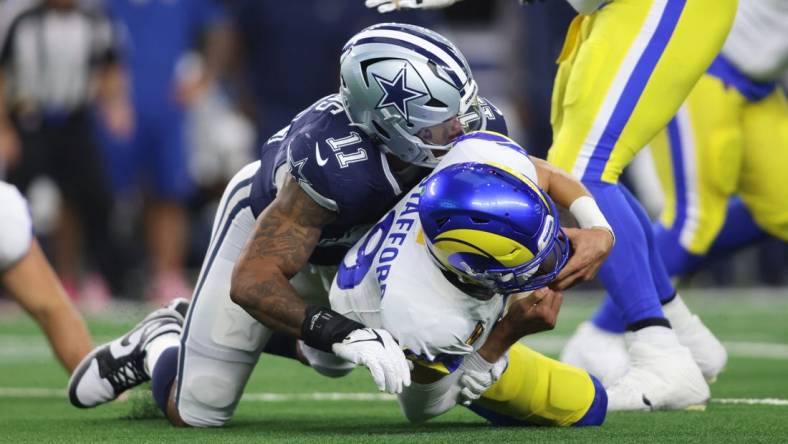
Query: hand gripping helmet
x,y
396,79
492,227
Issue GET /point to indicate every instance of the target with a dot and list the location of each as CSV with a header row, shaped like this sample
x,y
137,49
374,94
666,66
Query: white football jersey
x,y
758,42
16,227
388,279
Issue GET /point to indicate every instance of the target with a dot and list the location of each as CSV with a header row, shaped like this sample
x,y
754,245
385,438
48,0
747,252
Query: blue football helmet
x,y
492,227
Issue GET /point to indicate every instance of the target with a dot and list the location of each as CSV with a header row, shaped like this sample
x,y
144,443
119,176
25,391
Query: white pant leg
x,y
220,343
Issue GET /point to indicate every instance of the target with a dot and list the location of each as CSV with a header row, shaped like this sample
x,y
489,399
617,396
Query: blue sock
x,y
663,285
608,317
163,376
627,273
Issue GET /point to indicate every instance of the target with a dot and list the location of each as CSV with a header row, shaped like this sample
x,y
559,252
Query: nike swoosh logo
x,y
131,340
647,401
125,345
377,338
320,160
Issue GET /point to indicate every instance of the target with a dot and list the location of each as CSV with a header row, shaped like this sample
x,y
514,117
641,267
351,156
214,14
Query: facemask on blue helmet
x,y
492,227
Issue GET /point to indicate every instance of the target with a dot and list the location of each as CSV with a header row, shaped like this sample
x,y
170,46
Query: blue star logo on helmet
x,y
396,92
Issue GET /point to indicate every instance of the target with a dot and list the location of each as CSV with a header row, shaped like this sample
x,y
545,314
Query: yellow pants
x,y
721,144
540,390
623,73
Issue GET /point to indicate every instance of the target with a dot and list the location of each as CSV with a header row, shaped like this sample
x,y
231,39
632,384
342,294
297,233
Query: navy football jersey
x,y
342,169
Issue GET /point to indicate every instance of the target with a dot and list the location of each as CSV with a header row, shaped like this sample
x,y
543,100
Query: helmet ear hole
x,y
379,129
436,103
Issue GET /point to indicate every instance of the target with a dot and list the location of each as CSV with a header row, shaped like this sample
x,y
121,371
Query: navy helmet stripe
x,y
450,50
389,40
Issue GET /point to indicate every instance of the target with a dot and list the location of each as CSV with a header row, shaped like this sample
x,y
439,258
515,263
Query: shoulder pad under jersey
x,y
336,163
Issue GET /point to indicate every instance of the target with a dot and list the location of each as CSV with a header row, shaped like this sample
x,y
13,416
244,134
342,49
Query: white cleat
x,y
662,375
599,352
117,366
706,349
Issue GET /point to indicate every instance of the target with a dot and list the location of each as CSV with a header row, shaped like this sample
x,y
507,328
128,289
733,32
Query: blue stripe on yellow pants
x,y
623,73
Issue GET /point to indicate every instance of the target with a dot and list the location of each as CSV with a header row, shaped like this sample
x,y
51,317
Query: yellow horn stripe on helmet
x,y
507,252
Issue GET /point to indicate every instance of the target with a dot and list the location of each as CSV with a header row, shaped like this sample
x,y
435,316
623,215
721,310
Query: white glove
x,y
377,350
478,376
393,5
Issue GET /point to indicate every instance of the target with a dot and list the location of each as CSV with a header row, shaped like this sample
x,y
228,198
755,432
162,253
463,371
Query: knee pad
x,y
538,390
208,400
326,364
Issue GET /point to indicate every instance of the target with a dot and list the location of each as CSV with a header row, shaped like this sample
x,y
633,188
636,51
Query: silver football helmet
x,y
396,79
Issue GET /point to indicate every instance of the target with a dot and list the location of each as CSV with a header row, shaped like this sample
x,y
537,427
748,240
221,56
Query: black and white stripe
x,y
48,56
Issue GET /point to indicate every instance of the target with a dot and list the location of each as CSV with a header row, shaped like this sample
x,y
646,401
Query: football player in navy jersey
x,y
285,222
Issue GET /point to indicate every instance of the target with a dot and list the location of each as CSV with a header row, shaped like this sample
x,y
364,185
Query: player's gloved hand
x,y
478,376
377,350
394,5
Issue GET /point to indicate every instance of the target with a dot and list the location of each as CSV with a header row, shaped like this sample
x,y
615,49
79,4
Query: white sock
x,y
677,312
156,347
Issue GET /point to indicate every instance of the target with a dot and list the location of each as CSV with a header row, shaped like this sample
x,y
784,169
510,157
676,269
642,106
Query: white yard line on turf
x,y
32,392
751,401
19,348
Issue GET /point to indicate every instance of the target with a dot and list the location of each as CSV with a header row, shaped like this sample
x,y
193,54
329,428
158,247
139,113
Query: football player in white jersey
x,y
27,277
440,269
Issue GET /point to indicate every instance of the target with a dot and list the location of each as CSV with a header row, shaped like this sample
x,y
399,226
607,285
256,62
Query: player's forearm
x,y
284,237
269,298
499,340
560,185
570,193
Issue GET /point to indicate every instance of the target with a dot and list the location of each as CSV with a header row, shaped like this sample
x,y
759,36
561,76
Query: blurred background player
x,y
730,138
439,269
26,276
58,59
617,86
156,37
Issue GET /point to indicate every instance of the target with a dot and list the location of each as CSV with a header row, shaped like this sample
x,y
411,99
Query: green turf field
x,y
286,402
